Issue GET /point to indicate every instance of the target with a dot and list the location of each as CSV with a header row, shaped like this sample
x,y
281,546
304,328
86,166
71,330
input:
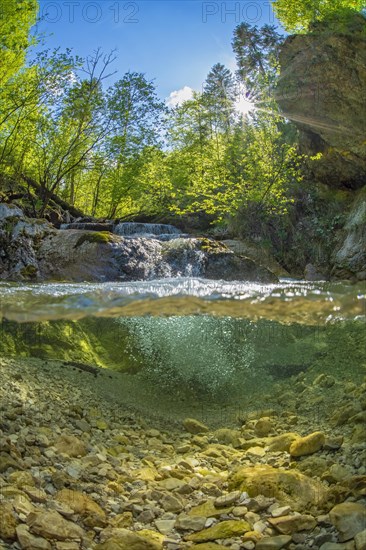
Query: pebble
x,y
96,478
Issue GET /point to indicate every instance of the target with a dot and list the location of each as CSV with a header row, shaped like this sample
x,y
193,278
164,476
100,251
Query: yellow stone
x,y
81,504
253,536
146,474
123,520
153,536
288,486
101,425
307,445
223,530
208,510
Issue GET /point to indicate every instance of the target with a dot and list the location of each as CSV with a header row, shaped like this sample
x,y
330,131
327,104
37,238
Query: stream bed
x,y
182,414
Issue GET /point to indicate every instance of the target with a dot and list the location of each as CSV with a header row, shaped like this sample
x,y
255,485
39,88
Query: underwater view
x,y
189,410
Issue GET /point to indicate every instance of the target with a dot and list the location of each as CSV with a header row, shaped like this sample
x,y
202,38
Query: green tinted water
x,y
193,339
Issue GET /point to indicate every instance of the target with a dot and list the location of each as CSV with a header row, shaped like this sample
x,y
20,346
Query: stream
x,y
190,340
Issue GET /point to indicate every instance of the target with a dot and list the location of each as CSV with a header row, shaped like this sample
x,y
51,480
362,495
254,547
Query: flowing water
x,y
178,345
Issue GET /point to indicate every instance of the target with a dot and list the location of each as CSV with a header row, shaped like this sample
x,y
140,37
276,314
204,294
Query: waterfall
x,y
158,231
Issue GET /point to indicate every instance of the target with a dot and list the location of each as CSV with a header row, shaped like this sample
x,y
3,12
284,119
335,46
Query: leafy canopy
x,y
298,15
16,20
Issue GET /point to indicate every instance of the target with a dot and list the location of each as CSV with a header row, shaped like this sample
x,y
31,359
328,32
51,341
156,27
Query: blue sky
x,y
174,42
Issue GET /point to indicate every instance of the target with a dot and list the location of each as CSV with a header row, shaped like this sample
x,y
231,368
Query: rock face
x,y
34,250
349,260
322,89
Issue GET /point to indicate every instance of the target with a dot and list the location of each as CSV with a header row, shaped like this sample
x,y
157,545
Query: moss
x,y
91,341
9,224
29,271
209,245
101,237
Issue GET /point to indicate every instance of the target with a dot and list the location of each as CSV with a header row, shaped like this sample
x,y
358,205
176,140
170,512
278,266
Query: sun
x,y
244,105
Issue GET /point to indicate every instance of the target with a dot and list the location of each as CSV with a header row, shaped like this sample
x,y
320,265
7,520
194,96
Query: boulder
x,y
127,540
83,505
231,267
28,541
288,486
70,445
51,525
360,540
257,254
209,510
349,518
9,211
8,522
193,426
273,543
322,89
287,525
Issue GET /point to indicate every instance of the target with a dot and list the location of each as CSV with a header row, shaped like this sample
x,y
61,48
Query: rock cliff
x,y
322,89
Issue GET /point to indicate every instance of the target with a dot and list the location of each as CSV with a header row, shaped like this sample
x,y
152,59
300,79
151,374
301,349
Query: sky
x,y
174,42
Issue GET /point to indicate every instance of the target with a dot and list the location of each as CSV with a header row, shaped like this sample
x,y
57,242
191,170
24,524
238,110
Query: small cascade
x,y
183,258
160,231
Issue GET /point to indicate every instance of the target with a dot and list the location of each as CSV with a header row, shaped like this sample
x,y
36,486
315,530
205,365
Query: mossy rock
x,y
209,245
29,271
209,510
288,486
99,237
223,530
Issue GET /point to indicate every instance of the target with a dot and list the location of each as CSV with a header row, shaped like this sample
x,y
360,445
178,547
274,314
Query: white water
x,y
156,230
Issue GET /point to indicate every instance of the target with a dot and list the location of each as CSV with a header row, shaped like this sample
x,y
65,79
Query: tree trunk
x,y
47,196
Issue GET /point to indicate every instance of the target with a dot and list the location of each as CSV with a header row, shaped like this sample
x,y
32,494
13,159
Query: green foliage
x,y
255,165
299,15
16,20
117,151
256,53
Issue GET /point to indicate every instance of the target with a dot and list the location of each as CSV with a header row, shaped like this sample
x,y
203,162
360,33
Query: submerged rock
x,y
51,525
287,525
288,486
307,445
223,530
126,540
349,518
273,543
193,426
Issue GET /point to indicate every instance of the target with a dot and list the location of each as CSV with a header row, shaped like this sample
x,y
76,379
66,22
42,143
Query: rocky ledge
x,y
33,250
322,89
78,472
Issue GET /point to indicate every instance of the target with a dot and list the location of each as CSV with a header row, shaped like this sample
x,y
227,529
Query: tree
x,y
71,124
16,20
256,52
298,15
219,94
136,115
